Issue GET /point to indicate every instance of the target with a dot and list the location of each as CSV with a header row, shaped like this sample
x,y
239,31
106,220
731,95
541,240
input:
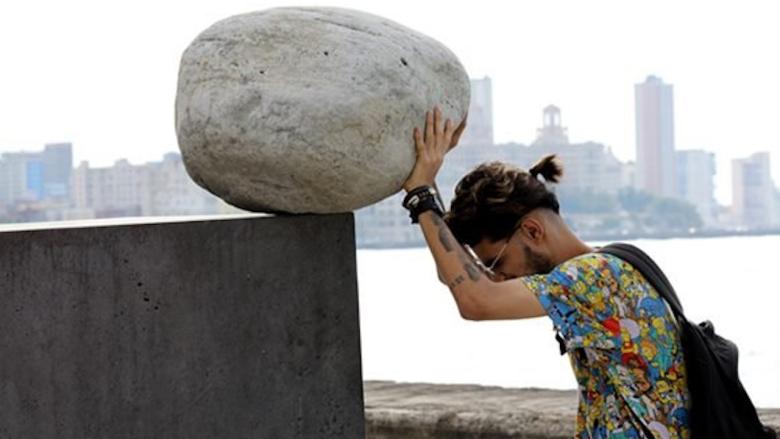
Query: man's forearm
x,y
456,268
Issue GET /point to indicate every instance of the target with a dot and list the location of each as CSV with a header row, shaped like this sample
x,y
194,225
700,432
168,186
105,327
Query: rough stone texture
x,y
310,109
418,410
236,328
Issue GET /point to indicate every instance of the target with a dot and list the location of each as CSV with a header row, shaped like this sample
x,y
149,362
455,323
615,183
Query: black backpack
x,y
720,407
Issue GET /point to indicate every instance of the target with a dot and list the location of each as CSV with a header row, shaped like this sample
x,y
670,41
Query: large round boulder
x,y
310,109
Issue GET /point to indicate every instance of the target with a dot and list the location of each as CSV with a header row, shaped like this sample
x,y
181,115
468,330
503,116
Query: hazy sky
x,y
104,76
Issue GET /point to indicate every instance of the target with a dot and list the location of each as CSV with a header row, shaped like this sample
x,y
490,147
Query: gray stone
x,y
205,329
310,109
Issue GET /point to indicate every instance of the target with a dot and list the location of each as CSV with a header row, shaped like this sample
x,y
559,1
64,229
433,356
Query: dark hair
x,y
492,197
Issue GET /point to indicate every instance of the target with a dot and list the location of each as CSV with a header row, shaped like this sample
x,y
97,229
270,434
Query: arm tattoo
x,y
444,233
458,280
446,240
473,271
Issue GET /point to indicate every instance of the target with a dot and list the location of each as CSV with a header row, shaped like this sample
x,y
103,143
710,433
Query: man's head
x,y
510,218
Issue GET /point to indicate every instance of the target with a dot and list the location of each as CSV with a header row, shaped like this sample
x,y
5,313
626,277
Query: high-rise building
x,y
36,176
57,161
695,175
479,128
655,159
19,174
753,192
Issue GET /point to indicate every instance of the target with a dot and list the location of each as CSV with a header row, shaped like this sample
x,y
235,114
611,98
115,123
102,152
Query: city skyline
x,y
598,197
85,161
45,185
485,131
602,197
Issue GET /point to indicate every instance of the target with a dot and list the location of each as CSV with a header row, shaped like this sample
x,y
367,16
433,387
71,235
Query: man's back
x,y
623,344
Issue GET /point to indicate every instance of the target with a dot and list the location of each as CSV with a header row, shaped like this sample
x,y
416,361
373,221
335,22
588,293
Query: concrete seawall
x,y
212,328
417,410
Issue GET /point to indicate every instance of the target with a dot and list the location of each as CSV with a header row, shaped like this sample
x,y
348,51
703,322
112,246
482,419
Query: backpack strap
x,y
650,270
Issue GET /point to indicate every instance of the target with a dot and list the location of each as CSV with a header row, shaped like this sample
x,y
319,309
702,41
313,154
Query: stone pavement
x,y
419,410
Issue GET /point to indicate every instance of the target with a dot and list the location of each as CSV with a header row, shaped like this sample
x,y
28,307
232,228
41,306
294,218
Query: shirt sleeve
x,y
577,297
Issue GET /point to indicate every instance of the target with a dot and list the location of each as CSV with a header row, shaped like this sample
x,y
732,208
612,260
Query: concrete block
x,y
210,328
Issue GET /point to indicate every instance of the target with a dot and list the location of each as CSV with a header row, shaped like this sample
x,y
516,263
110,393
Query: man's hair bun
x,y
549,167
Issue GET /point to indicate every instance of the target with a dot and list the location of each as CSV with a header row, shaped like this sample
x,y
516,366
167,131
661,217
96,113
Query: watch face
x,y
414,200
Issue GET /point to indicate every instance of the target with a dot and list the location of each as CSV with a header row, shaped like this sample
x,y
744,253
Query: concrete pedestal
x,y
211,328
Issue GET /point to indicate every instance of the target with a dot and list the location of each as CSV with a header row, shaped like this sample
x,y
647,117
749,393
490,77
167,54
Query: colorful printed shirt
x,y
623,345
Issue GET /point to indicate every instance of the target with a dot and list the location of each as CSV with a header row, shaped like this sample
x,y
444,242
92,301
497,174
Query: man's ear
x,y
533,229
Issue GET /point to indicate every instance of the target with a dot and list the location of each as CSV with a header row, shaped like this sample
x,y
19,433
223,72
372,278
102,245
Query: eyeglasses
x,y
501,252
484,268
478,261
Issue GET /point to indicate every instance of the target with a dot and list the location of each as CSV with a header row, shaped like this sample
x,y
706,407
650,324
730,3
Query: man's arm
x,y
477,296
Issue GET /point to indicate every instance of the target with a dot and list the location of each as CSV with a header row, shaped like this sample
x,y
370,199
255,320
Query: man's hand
x,y
431,147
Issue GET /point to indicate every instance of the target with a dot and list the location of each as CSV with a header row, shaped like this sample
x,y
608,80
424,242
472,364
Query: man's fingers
x,y
458,131
461,126
448,132
418,140
448,127
437,125
428,126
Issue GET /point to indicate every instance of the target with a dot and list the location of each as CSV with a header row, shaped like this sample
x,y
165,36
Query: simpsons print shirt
x,y
623,345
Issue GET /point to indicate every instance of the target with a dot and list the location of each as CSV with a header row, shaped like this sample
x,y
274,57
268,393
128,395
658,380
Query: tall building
x,y
655,159
695,175
753,192
57,161
19,172
479,128
36,176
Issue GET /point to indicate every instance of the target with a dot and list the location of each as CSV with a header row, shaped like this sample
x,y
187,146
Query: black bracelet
x,y
421,199
428,204
415,195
